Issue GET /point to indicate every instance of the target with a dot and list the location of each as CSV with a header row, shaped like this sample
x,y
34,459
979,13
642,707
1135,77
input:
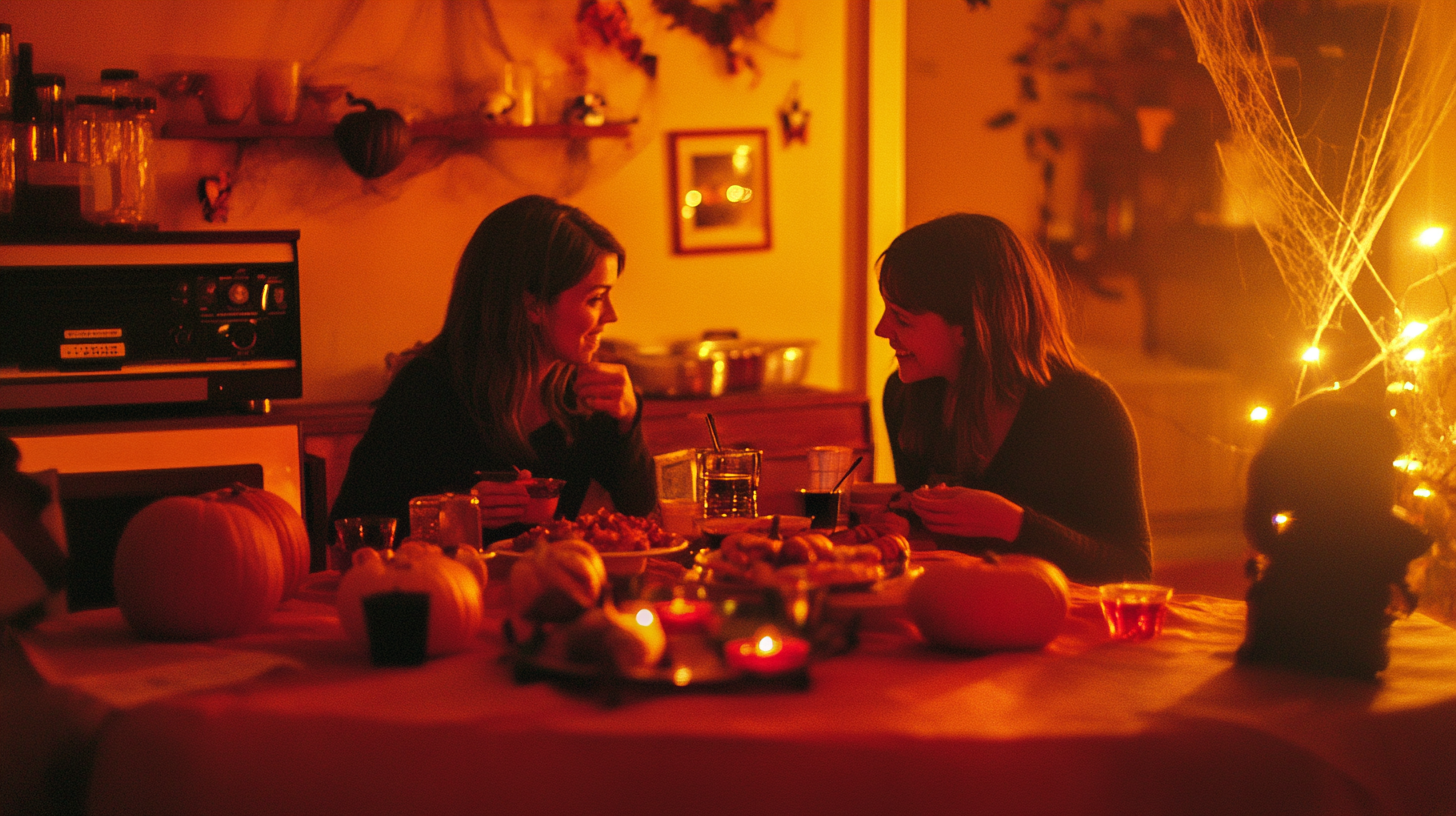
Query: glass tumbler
x,y
730,481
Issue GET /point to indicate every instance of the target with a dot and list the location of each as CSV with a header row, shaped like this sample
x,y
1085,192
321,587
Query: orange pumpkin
x,y
197,568
456,600
1007,601
287,526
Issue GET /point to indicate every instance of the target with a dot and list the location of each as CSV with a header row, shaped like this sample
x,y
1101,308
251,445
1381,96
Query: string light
x,y
1431,236
1259,414
1311,355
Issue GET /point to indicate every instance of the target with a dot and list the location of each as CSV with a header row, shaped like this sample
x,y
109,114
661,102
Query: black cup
x,y
821,508
399,627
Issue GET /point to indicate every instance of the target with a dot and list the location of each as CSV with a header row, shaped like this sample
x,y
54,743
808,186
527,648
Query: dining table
x,y
294,719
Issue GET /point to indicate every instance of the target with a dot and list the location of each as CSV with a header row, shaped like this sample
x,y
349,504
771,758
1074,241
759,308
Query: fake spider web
x,y
1320,233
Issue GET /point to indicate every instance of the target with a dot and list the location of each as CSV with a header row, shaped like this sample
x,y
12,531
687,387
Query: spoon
x,y
713,432
835,489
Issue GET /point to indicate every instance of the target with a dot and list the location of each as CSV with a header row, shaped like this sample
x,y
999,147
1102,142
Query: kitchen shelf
x,y
458,128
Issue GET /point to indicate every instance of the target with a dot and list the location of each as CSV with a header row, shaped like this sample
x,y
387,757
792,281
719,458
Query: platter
x,y
888,593
503,549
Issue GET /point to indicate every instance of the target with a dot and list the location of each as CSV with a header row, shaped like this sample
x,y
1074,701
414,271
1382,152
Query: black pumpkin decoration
x,y
373,141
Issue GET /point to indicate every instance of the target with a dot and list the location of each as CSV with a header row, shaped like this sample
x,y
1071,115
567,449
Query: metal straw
x,y
835,489
713,432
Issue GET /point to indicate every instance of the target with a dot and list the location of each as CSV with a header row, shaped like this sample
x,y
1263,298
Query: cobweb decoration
x,y
1320,234
436,59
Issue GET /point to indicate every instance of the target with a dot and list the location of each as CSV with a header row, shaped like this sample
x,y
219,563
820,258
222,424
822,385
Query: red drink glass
x,y
1134,612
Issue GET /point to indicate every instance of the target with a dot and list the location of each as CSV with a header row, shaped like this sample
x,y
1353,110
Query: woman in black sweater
x,y
1013,444
511,381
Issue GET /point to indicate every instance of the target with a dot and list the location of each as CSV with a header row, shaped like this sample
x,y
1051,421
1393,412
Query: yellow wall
x,y
376,265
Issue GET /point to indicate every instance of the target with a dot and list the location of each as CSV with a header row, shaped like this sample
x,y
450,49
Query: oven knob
x,y
206,292
241,335
238,294
181,336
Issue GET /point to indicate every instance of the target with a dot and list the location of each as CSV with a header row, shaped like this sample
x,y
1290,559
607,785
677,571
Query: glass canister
x,y
136,191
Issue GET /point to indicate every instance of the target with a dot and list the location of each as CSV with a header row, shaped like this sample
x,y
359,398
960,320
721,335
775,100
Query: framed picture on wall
x,y
719,189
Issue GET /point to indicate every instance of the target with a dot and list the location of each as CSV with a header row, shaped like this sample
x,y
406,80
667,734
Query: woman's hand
x,y
502,503
964,511
606,387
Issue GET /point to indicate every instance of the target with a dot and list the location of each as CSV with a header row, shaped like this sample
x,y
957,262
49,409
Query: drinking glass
x,y
1134,611
730,481
358,532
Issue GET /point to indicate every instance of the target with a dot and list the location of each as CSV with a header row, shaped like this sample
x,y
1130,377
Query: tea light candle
x,y
767,652
681,616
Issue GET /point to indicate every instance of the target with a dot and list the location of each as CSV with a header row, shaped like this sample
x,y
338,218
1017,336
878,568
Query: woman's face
x,y
572,325
925,345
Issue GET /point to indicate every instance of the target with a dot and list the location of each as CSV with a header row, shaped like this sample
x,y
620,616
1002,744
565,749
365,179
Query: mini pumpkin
x,y
195,568
373,141
456,600
556,581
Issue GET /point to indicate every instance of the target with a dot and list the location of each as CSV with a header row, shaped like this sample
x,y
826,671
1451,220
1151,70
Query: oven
x,y
107,472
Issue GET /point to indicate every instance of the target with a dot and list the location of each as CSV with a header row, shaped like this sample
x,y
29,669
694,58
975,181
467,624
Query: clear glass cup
x,y
729,480
458,522
358,532
424,517
1134,612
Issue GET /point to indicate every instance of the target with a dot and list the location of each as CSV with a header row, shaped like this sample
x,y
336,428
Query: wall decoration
x,y
719,184
609,23
793,119
727,26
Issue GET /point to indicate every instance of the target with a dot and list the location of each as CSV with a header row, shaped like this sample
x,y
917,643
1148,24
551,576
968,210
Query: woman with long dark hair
x,y
1007,440
511,380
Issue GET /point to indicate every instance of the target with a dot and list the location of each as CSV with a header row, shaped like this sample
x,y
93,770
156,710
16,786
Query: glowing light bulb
x,y
1259,414
1430,236
1413,330
1415,355
645,617
1422,493
1407,464
1281,521
1311,355
693,198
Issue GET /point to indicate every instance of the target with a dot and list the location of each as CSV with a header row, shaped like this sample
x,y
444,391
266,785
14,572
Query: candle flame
x,y
767,642
645,617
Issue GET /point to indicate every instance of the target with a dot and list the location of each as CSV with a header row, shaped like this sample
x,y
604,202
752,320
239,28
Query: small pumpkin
x,y
195,568
373,141
287,526
556,581
1010,601
456,599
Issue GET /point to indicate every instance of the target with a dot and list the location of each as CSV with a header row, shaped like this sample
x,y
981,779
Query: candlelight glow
x,y
682,675
1259,414
645,617
1407,465
1422,492
1311,355
1415,355
766,642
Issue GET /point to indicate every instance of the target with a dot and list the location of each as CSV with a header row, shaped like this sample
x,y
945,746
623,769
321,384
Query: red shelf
x,y
459,128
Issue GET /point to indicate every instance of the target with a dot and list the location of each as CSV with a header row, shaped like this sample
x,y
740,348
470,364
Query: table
x,y
293,720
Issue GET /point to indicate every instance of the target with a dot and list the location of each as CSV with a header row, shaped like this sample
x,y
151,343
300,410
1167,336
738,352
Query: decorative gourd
x,y
197,568
456,600
556,581
287,526
373,141
1007,601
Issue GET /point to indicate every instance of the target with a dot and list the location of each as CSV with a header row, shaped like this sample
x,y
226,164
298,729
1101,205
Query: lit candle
x,y
683,616
767,652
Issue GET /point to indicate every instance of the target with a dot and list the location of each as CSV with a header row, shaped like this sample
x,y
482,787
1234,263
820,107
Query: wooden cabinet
x,y
783,423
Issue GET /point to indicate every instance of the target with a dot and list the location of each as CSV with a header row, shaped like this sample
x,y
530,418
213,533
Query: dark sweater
x,y
1070,461
421,441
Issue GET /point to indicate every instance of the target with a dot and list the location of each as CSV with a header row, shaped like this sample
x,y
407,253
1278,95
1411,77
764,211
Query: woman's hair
x,y
976,273
533,245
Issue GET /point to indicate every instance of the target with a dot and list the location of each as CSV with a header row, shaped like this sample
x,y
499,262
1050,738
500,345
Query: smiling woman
x,y
512,381
1014,444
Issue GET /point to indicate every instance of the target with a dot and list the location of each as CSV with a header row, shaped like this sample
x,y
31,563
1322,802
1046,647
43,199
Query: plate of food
x,y
624,542
750,560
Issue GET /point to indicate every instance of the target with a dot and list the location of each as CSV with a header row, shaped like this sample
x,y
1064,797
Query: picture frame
x,y
719,188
